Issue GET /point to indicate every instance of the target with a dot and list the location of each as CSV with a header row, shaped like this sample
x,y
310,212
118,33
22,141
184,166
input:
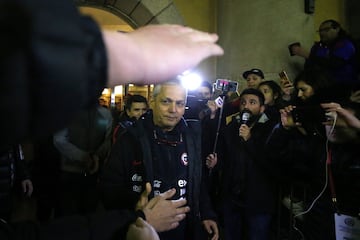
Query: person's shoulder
x,y
345,43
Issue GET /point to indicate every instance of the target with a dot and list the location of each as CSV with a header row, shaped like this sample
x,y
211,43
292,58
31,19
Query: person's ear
x,y
262,108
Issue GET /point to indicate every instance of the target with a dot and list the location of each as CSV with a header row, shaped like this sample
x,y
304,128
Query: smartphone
x,y
284,79
310,114
226,85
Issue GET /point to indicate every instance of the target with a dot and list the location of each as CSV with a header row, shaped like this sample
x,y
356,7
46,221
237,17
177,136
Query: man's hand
x,y
211,160
93,164
164,214
346,118
287,120
141,230
244,132
300,51
213,108
135,57
211,228
355,96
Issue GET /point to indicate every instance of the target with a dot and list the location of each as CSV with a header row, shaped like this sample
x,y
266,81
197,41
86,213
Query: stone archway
x,y
138,12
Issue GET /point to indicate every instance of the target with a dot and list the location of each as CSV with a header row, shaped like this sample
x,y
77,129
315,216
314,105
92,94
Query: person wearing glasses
x,y
335,52
161,152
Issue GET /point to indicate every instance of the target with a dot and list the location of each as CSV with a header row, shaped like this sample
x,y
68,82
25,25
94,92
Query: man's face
x,y
204,93
253,80
169,106
252,103
328,33
137,109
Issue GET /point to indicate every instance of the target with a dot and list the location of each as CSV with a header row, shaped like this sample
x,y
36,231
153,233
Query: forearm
x,y
67,149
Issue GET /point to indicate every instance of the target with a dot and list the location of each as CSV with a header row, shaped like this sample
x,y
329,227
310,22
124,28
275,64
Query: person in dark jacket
x,y
248,194
301,148
135,106
335,53
58,56
53,60
164,150
84,146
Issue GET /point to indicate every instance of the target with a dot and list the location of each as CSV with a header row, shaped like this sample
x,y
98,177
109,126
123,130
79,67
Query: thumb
x,y
140,222
147,190
144,197
208,228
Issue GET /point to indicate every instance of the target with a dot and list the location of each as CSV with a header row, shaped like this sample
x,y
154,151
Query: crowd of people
x,y
155,172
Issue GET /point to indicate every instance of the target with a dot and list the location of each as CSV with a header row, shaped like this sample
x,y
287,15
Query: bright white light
x,y
118,90
191,81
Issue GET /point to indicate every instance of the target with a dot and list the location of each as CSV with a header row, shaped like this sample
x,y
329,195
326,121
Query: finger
x,y
174,225
179,202
216,233
144,196
208,228
140,222
146,192
178,218
168,194
215,237
148,188
208,48
182,210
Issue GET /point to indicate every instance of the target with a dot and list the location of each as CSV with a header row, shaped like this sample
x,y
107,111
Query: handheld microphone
x,y
245,116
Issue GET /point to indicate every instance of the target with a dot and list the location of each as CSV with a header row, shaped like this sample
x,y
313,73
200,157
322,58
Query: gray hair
x,y
158,87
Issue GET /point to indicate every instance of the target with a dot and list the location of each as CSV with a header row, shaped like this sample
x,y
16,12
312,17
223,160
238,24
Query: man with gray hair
x,y
161,153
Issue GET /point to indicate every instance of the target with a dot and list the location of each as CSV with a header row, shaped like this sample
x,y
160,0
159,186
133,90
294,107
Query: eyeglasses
x,y
325,29
167,142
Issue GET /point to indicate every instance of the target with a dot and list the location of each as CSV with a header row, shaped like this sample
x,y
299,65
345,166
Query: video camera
x,y
194,106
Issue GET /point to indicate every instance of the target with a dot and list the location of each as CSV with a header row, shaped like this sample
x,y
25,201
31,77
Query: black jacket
x,y
131,156
245,181
51,67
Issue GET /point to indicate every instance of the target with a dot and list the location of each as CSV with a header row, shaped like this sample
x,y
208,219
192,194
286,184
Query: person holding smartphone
x,y
335,52
298,148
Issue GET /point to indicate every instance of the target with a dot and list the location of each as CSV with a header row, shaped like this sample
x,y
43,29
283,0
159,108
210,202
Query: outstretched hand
x,y
165,214
156,53
347,118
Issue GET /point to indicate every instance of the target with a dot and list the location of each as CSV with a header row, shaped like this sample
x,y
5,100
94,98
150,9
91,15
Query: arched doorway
x,y
126,15
138,13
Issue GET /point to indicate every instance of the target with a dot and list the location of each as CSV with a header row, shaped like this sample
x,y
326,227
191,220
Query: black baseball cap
x,y
255,71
